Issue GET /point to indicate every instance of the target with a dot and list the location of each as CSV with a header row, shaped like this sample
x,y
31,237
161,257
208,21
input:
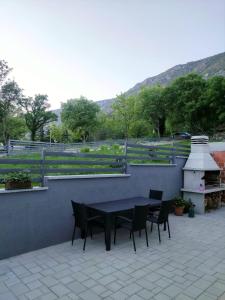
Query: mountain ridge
x,y
207,67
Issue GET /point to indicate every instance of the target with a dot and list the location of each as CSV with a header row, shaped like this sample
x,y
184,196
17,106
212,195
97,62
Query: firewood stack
x,y
213,200
223,197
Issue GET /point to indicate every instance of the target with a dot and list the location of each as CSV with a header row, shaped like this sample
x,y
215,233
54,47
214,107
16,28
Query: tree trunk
x,y
161,126
33,135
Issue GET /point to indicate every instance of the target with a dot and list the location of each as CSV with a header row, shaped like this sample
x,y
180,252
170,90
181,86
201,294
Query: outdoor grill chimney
x,y
200,158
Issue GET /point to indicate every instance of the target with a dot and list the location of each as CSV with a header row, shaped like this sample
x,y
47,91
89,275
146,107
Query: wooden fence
x,y
158,154
58,163
15,147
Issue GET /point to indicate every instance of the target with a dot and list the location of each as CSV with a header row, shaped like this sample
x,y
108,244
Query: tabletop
x,y
122,204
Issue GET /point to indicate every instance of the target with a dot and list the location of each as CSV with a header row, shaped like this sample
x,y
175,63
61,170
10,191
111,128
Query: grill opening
x,y
212,179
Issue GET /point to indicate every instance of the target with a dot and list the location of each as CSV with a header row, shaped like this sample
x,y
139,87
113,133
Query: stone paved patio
x,y
189,266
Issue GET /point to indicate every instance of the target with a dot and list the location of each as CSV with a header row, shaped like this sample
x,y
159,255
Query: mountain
x,y
207,67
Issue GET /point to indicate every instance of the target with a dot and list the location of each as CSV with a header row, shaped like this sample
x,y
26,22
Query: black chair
x,y
156,195
82,221
137,223
162,217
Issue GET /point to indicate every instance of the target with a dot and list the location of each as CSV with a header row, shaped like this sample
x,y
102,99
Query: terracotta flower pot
x,y
179,211
16,185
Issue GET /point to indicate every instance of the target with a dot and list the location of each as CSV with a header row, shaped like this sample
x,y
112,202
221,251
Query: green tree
x,y
15,127
4,71
59,134
36,115
108,127
10,94
153,108
124,112
140,128
80,116
185,104
214,102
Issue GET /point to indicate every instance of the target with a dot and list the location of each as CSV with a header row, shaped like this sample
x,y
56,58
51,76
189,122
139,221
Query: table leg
x,y
108,232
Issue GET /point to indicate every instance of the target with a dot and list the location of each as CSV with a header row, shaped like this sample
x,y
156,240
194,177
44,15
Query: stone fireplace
x,y
202,180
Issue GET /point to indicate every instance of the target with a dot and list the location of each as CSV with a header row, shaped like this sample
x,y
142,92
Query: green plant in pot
x,y
179,205
18,180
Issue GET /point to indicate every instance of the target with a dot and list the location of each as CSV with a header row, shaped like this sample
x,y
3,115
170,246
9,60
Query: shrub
x,y
179,202
85,150
22,176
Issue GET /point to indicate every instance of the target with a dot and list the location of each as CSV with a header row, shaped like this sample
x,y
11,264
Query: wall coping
x,y
93,176
34,189
153,165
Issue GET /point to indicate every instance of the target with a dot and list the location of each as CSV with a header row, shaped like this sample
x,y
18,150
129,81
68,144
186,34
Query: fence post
x,y
42,167
8,147
172,161
125,160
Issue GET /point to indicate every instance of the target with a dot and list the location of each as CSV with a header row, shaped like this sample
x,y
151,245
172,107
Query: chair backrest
x,y
80,214
139,217
164,211
154,194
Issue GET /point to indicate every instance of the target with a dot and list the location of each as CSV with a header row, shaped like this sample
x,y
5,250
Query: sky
x,y
100,48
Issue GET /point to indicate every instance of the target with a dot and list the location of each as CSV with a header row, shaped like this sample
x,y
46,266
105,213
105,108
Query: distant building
x,y
58,113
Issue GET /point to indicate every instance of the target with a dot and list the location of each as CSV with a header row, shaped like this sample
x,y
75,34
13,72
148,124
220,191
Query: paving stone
x,y
135,297
119,296
76,287
183,297
131,289
145,294
161,296
99,289
60,290
7,296
193,291
106,279
48,296
87,295
172,291
33,294
19,289
49,281
114,286
3,288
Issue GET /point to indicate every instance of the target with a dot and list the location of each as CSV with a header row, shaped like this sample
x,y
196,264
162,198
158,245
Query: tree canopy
x,y
80,116
10,95
36,115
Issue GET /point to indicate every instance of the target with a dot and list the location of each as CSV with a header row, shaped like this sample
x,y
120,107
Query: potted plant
x,y
179,204
18,180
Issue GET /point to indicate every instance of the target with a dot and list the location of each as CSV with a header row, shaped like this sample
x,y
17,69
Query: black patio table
x,y
111,208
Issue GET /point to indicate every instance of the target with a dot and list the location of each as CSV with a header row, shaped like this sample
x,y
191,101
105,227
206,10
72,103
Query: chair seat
x,y
152,218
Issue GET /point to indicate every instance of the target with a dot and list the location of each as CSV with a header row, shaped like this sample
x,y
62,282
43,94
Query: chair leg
x,y
151,226
73,235
85,238
139,233
130,234
164,228
115,235
159,233
91,232
133,241
168,226
146,234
